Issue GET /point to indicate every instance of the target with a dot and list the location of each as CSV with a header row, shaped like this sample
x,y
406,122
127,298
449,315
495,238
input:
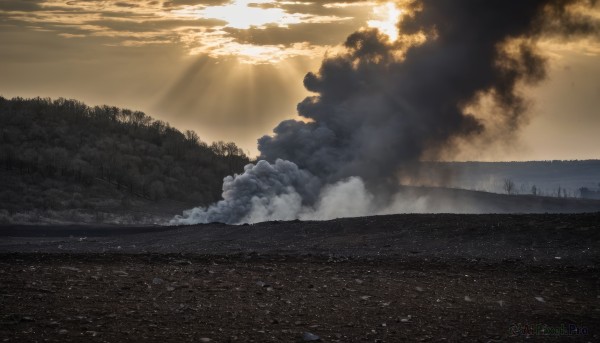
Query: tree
x,y
534,190
157,190
509,186
192,137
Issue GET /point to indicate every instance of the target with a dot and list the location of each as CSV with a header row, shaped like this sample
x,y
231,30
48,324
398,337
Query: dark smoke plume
x,y
382,106
374,114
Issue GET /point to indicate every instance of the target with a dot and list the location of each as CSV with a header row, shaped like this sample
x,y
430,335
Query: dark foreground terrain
x,y
389,279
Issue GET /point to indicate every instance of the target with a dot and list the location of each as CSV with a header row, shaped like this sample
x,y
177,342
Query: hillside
x,y
63,161
548,178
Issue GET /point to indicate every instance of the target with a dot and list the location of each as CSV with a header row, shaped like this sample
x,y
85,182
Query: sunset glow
x,y
387,18
177,60
243,14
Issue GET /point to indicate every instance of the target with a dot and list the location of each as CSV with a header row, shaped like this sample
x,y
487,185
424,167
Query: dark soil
x,y
390,279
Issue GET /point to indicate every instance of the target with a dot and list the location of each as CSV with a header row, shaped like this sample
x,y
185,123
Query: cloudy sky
x,y
232,70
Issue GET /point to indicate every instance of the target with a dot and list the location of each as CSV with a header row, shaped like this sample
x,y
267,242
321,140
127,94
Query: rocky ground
x,y
387,279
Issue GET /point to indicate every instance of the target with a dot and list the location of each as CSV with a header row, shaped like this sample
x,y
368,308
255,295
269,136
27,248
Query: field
x,y
386,278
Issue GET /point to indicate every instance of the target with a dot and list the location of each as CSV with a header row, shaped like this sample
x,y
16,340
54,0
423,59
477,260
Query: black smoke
x,y
374,114
382,106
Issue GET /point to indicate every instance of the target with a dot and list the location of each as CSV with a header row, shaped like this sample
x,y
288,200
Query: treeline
x,y
43,139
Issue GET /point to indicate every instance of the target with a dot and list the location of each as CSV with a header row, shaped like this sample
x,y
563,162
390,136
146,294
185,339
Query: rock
x,y
157,281
73,269
170,288
63,332
205,340
310,337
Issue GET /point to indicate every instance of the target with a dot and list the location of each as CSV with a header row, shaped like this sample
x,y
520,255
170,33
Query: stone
x,y
310,337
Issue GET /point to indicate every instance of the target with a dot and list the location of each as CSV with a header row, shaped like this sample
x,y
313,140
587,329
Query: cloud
x,y
215,28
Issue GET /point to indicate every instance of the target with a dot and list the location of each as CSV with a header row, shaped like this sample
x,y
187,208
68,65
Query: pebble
x,y
310,337
157,281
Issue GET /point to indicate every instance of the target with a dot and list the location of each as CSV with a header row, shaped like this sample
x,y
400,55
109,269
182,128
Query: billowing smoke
x,y
275,191
382,106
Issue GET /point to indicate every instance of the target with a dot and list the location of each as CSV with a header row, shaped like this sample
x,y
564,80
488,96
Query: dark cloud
x,y
373,115
305,32
164,25
20,5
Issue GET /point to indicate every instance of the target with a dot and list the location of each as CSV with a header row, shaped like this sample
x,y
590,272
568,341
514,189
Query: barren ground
x,y
388,278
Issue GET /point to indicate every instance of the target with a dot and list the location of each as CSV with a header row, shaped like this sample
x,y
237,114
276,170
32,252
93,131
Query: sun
x,y
387,16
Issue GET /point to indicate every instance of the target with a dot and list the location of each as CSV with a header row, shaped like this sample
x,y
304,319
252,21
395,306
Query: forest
x,y
62,155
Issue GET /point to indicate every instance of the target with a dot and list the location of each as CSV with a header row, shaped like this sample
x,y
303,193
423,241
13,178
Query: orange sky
x,y
231,70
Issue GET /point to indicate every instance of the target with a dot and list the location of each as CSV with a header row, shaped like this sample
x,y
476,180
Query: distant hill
x,y
546,178
61,160
454,200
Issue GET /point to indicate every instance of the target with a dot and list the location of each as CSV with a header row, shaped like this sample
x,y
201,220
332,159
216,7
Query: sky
x,y
232,70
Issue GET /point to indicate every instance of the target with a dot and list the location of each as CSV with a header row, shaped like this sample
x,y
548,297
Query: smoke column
x,y
381,106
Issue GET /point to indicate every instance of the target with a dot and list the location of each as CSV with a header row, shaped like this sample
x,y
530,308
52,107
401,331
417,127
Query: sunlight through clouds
x,y
388,15
203,27
243,14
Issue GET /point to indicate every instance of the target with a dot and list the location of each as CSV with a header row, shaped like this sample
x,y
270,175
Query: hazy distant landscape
x,y
545,178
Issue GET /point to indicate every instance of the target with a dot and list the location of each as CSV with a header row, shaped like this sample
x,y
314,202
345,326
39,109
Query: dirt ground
x,y
532,277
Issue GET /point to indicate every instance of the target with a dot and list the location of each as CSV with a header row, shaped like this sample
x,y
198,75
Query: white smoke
x,y
282,191
346,198
275,191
